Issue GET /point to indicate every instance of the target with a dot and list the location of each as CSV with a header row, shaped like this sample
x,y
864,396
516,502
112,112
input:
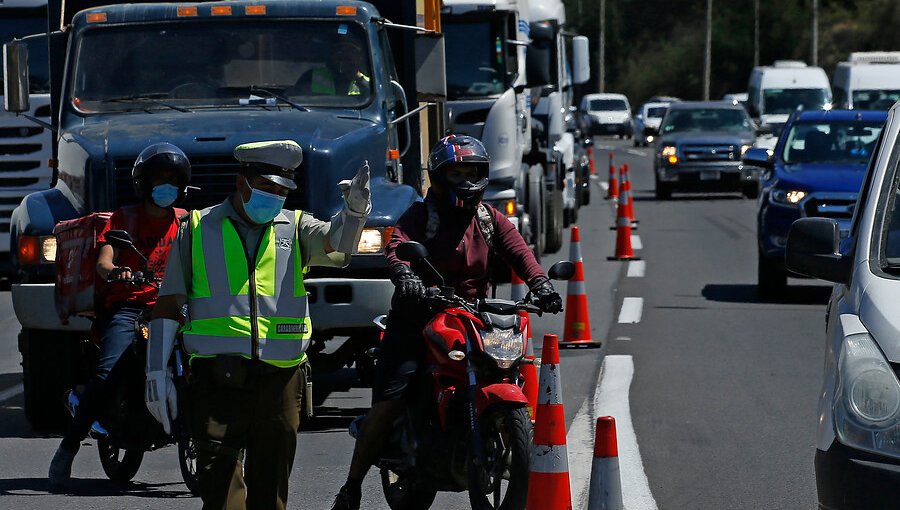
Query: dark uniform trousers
x,y
244,415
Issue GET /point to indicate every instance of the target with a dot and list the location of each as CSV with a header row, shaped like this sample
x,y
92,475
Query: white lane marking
x,y
580,442
604,147
604,185
632,309
635,152
636,242
12,392
636,268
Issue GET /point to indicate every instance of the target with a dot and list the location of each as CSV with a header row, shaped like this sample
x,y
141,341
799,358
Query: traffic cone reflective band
x,y
612,193
548,485
577,332
606,482
527,370
623,236
518,288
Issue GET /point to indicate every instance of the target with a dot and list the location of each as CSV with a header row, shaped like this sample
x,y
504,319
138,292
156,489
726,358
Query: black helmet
x,y
452,150
157,159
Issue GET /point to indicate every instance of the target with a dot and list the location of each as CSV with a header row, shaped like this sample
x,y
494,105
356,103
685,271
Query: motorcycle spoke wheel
x,y
120,465
502,482
187,461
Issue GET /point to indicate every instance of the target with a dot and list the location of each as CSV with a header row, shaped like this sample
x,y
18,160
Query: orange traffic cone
x,y
629,207
577,331
548,485
613,192
526,370
591,165
606,482
623,236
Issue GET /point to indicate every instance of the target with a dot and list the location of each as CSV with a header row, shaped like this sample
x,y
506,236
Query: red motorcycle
x,y
467,426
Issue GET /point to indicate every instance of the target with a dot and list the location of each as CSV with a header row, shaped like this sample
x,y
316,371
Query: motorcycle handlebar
x,y
437,295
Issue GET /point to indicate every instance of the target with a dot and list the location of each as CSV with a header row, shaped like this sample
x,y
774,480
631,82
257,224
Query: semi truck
x,y
24,144
126,81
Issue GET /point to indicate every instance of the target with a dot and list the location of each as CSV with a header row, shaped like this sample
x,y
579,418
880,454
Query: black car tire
x,y
750,190
771,280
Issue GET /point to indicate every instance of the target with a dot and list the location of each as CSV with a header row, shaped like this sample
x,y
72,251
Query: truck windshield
x,y
17,26
656,112
706,119
785,101
875,99
831,142
476,59
608,105
215,64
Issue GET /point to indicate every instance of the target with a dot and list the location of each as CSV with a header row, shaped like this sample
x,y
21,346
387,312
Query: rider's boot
x,y
61,465
347,498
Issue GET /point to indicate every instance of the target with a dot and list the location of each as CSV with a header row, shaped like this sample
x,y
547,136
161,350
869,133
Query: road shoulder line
x,y
631,311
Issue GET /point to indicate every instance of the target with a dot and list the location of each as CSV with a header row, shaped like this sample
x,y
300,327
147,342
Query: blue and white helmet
x,y
452,150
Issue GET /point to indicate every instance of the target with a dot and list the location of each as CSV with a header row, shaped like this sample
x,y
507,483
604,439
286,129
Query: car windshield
x,y
607,105
706,119
475,59
312,62
875,99
38,64
785,101
656,112
831,142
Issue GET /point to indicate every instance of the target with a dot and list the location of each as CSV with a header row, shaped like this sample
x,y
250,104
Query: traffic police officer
x,y
239,267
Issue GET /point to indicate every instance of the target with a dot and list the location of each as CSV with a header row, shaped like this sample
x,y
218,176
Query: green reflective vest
x,y
258,310
323,82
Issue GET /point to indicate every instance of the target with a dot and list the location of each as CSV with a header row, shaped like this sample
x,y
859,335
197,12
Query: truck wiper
x,y
253,89
150,98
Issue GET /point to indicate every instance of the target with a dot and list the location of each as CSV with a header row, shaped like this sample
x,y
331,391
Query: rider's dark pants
x,y
402,349
244,417
118,334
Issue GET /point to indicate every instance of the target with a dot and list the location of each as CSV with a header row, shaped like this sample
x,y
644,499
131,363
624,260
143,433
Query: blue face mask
x,y
164,195
263,207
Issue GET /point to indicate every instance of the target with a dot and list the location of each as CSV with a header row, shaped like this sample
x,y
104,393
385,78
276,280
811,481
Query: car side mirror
x,y
411,251
758,156
562,270
813,249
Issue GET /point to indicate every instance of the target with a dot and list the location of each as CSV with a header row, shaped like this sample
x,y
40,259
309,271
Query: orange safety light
x,y
187,11
96,17
28,250
221,10
510,207
393,154
345,10
673,160
255,10
386,237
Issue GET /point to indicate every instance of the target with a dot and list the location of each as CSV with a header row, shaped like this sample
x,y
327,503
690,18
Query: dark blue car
x,y
816,169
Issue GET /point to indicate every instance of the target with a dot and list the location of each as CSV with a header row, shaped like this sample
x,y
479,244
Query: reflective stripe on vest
x,y
221,298
323,82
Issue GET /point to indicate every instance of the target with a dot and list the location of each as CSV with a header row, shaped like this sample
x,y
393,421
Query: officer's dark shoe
x,y
347,498
61,466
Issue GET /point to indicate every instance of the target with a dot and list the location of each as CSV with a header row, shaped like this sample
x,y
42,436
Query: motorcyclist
x,y
460,233
160,176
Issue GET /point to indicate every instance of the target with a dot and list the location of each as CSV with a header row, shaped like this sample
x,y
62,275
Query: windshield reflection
x,y
824,142
706,119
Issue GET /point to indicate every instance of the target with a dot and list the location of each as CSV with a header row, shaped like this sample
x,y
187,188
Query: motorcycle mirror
x,y
119,239
410,251
562,270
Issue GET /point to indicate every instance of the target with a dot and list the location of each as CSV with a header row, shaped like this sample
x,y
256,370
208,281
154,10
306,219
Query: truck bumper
x,y
340,306
34,306
705,177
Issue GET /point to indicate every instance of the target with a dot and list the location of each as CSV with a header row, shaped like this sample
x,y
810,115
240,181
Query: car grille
x,y
214,175
708,152
839,208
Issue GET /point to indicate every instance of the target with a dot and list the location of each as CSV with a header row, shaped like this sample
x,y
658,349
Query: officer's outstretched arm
x,y
347,225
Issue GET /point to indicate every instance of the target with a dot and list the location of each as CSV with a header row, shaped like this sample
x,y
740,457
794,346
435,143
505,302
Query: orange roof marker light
x,y
187,11
346,10
221,10
96,17
251,10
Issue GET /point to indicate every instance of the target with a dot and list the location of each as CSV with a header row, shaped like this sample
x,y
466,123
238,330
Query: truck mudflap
x,y
347,303
35,308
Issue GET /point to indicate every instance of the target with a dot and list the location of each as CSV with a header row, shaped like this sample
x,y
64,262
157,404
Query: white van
x,y
608,114
868,81
776,91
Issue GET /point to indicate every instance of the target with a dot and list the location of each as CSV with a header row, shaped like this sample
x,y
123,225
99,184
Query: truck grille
x,y
214,175
839,208
708,152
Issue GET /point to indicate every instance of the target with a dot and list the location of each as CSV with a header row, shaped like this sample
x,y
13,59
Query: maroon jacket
x,y
459,251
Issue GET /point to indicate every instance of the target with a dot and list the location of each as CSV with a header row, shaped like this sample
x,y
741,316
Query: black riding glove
x,y
407,283
547,298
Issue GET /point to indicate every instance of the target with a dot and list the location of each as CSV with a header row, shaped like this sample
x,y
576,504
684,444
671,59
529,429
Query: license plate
x,y
709,175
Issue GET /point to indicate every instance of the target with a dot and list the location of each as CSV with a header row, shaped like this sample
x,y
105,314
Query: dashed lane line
x,y
12,392
636,242
632,309
635,152
636,269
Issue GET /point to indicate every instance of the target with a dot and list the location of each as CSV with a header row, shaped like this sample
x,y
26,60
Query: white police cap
x,y
272,160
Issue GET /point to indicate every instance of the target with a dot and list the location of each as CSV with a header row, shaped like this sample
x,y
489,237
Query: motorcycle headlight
x,y
867,403
505,346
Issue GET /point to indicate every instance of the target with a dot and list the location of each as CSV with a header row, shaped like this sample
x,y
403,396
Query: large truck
x,y
867,81
24,144
121,80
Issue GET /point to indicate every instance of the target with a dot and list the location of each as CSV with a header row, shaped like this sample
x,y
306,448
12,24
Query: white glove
x,y
347,225
159,394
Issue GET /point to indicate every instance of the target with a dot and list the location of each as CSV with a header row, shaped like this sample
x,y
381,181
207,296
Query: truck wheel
x,y
553,236
771,280
536,191
663,190
750,190
49,363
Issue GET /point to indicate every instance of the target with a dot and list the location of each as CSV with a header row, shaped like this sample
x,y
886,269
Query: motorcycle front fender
x,y
500,393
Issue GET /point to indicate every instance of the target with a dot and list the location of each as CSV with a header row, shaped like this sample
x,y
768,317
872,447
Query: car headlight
x,y
867,401
37,249
787,197
744,149
504,345
373,239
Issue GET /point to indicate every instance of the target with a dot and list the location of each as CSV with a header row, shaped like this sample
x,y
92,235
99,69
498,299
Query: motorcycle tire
x,y
404,494
187,461
120,465
507,434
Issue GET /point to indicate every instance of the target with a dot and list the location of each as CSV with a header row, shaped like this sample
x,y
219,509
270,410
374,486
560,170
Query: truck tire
x,y
663,190
49,363
536,190
553,236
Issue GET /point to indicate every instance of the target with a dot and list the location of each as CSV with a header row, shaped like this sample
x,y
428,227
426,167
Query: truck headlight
x,y
504,345
787,197
373,239
867,400
744,149
37,249
670,154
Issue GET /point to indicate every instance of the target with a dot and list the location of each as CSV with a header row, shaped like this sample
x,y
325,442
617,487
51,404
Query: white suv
x,y
608,114
858,439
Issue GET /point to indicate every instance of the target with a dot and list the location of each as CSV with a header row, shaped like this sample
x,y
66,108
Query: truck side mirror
x,y
539,57
431,68
581,64
813,249
15,77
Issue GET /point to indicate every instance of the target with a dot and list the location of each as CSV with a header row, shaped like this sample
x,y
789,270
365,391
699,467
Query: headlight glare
x,y
669,150
505,346
787,197
744,149
373,239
